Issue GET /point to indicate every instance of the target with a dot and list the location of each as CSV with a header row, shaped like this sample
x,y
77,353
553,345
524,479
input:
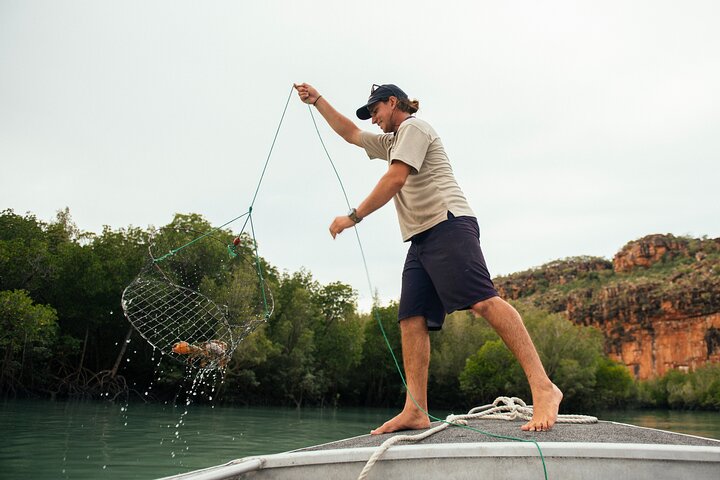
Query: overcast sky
x,y
572,126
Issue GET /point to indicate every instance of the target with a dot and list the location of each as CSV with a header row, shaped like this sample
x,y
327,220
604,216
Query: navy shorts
x,y
444,271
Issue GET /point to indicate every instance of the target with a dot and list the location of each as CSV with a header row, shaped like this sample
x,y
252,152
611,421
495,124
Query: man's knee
x,y
413,324
485,307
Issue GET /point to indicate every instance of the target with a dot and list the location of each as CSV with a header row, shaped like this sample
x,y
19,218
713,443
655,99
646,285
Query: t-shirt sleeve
x,y
375,145
411,146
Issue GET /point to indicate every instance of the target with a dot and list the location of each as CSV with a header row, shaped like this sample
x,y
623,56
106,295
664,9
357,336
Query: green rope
x,y
252,203
209,232
382,329
272,146
259,269
327,154
232,251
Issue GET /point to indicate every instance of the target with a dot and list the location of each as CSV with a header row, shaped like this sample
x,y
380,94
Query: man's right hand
x,y
307,93
342,125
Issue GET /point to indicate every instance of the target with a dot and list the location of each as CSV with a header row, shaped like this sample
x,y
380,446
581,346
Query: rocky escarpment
x,y
657,302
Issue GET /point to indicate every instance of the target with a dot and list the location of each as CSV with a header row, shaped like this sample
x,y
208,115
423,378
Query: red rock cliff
x,y
658,303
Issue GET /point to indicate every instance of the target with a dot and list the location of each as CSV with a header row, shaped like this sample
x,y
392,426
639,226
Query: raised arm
x,y
342,125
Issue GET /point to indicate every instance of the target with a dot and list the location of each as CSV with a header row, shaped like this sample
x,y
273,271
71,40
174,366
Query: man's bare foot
x,y
405,420
545,409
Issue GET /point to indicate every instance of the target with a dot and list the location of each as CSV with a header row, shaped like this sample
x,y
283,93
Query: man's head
x,y
379,93
388,106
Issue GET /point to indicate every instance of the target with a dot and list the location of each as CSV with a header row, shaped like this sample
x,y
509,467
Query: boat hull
x,y
502,460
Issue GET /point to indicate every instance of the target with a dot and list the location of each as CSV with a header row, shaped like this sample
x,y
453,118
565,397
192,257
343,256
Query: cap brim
x,y
363,113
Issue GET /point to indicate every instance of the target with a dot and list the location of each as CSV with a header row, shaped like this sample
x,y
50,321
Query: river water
x,y
94,440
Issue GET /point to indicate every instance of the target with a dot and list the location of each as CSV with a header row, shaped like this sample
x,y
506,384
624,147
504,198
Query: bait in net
x,y
197,304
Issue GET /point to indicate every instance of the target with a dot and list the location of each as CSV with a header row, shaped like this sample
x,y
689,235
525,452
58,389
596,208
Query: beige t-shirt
x,y
431,190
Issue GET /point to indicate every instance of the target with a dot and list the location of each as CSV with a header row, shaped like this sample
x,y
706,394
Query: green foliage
x,y
376,378
699,389
561,275
28,333
308,349
615,386
492,372
569,352
686,276
189,263
338,336
61,323
572,356
22,321
290,329
25,254
461,336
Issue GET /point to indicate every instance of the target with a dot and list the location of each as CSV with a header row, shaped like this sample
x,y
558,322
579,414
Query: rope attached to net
x,y
503,408
232,251
247,214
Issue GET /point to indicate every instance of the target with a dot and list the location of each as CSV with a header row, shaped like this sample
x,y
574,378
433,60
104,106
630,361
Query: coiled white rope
x,y
503,408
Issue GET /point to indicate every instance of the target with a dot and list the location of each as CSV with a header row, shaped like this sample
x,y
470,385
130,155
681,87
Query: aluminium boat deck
x,y
604,450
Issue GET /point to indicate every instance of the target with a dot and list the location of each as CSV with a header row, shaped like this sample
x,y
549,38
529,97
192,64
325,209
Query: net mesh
x,y
198,304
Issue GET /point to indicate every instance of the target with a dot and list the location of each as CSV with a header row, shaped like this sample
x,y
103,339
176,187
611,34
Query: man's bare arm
x,y
342,125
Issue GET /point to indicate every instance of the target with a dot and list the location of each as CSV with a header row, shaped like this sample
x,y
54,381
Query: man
x,y
444,270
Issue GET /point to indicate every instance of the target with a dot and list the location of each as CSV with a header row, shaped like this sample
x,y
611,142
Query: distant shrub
x,y
614,384
572,356
699,389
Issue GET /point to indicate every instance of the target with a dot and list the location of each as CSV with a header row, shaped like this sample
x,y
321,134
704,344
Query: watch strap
x,y
354,216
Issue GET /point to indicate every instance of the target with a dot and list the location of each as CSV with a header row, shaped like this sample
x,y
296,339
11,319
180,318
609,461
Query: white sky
x,y
573,127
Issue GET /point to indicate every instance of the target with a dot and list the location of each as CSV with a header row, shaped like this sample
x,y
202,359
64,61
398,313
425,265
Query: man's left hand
x,y
340,224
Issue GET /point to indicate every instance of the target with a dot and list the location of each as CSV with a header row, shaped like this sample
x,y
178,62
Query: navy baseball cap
x,y
377,93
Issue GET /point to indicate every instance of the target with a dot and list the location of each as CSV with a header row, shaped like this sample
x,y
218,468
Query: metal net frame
x,y
166,307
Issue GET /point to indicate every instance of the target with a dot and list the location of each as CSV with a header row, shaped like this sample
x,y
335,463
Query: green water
x,y
93,440
90,440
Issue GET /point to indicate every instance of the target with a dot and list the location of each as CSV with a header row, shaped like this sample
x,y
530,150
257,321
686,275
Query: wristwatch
x,y
354,216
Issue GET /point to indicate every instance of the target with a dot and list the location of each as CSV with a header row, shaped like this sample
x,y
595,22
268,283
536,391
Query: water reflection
x,y
703,424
